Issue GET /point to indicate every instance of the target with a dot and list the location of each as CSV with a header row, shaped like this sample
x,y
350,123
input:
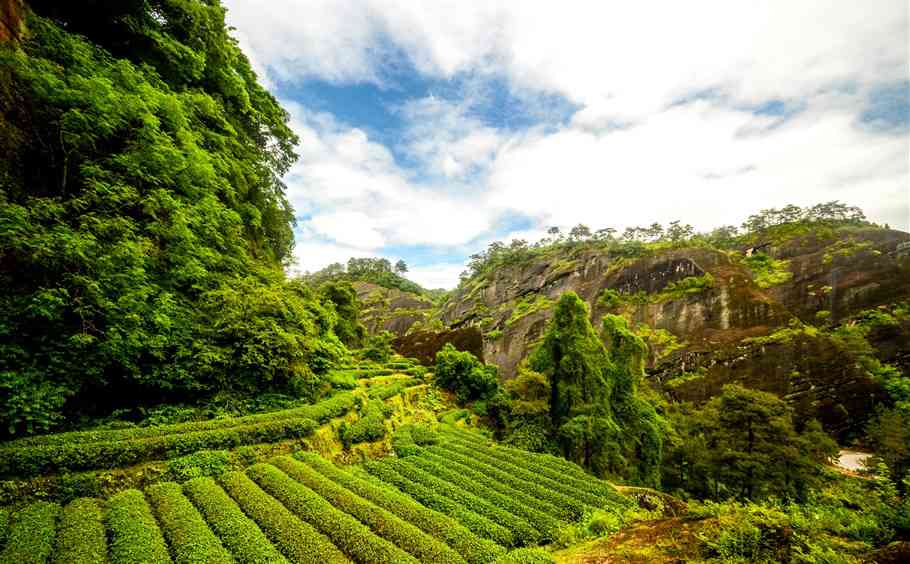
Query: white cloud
x,y
628,156
443,275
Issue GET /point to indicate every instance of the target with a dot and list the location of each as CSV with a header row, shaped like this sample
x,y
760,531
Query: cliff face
x,y
704,312
11,20
389,309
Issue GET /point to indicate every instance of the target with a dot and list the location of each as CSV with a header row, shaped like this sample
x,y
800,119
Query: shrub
x,y
527,556
524,533
31,534
378,347
476,523
341,380
569,507
297,540
335,406
135,537
370,427
41,459
462,373
523,492
186,531
403,442
384,523
201,463
527,469
446,529
355,539
239,534
4,525
81,535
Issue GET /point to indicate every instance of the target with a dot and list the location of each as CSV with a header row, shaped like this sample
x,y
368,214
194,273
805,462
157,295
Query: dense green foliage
x,y
743,444
135,537
31,534
377,271
593,409
344,299
143,223
186,531
461,373
767,225
81,533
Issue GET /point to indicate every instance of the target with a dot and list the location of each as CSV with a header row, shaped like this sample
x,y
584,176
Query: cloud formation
x,y
704,113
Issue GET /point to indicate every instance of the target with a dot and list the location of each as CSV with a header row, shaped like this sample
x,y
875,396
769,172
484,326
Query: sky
x,y
431,128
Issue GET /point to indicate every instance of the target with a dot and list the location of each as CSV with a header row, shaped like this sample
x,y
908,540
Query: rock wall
x,y
12,25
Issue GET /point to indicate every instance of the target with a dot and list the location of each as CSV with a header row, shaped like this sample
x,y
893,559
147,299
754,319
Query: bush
x,y
378,347
135,538
528,469
384,523
527,556
446,529
81,535
524,533
338,404
31,534
545,524
186,531
237,532
41,459
461,373
297,540
203,463
370,427
477,524
355,539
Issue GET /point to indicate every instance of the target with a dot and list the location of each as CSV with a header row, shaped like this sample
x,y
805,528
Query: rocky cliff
x,y
711,316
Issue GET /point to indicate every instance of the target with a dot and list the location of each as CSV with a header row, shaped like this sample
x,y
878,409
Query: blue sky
x,y
430,129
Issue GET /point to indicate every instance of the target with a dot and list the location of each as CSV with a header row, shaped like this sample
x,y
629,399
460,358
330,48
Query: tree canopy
x,y
143,222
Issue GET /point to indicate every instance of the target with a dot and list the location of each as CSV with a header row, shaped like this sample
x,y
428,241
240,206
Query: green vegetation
x,y
461,373
186,531
146,246
81,533
377,271
370,426
528,305
31,534
135,537
743,445
594,412
767,271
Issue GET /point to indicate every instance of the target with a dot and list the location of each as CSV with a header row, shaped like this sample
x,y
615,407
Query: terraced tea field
x,y
456,500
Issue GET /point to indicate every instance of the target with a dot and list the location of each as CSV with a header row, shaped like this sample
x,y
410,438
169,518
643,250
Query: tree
x,y
462,373
343,298
127,238
579,233
594,411
754,449
401,267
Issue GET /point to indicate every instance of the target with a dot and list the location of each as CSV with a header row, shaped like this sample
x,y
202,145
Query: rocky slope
x,y
711,316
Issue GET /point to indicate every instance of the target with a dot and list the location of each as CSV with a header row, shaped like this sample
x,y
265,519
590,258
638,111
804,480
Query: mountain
x,y
768,314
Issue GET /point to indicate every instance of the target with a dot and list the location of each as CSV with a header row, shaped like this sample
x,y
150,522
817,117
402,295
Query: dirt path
x,y
852,462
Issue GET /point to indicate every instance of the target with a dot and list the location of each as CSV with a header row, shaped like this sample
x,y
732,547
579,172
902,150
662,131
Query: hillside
x,y
711,315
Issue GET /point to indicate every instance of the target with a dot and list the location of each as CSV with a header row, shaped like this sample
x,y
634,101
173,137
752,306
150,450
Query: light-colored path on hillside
x,y
852,460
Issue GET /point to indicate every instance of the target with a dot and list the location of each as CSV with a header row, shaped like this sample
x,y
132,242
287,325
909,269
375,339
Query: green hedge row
x,y
474,549
370,427
349,534
527,556
483,488
454,432
403,443
385,391
524,467
31,534
297,540
383,522
337,405
477,524
556,504
523,531
450,417
186,531
341,380
35,460
558,469
135,537
81,535
238,533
